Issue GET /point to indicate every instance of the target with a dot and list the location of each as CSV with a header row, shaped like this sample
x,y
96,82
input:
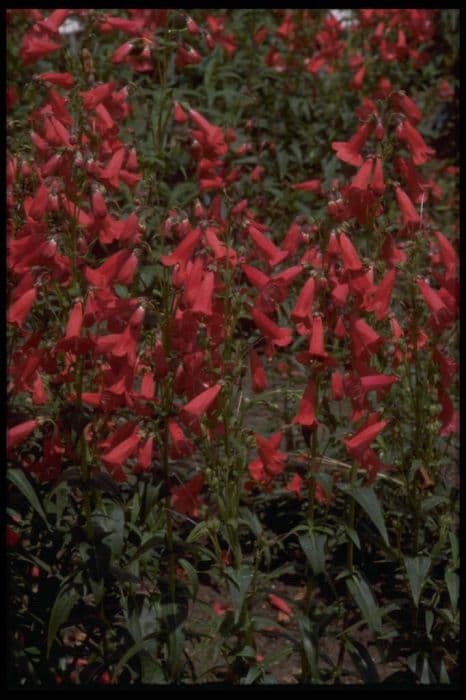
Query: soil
x,y
287,670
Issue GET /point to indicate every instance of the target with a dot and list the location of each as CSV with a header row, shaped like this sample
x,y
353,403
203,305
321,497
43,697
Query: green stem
x,y
351,518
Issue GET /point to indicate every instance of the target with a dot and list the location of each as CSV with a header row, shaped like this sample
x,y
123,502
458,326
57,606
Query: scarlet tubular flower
x,y
274,335
198,406
402,102
308,186
73,340
378,382
410,216
119,267
306,412
203,304
316,346
357,444
448,254
420,151
33,48
259,380
295,485
349,255
180,446
20,432
111,173
302,309
350,151
39,203
272,460
64,80
434,301
377,184
21,307
268,249
185,499
280,604
214,141
364,338
184,251
117,456
144,456
378,298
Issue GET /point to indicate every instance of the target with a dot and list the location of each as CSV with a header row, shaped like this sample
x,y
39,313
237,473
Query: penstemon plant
x,y
232,347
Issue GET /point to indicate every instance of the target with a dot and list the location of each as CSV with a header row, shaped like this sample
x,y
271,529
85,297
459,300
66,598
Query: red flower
x,y
303,307
403,103
73,341
295,485
184,250
448,416
185,499
198,406
440,312
266,247
18,311
20,432
350,151
316,346
111,173
448,254
211,136
349,255
34,47
64,80
364,339
274,335
308,186
180,446
306,413
259,380
12,537
280,604
337,386
203,302
410,216
420,151
123,450
144,456
271,459
358,78
378,298
119,267
357,444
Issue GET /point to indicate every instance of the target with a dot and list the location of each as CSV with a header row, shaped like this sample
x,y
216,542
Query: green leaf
x,y
429,619
310,640
132,651
192,576
19,478
313,546
149,544
63,605
197,532
417,569
455,552
353,536
251,520
362,661
453,584
238,584
252,675
366,497
364,598
111,525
